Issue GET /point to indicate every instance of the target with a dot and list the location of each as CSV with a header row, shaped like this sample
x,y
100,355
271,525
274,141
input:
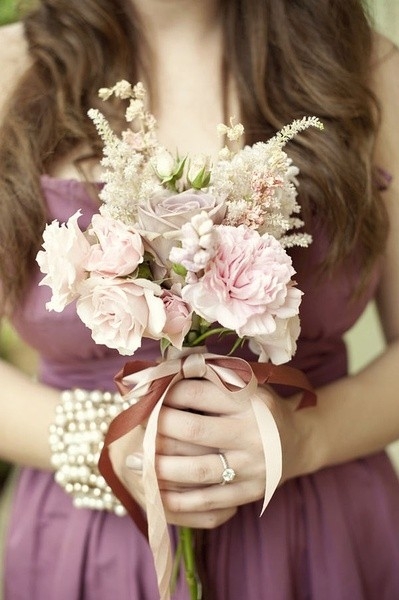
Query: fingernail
x,y
134,462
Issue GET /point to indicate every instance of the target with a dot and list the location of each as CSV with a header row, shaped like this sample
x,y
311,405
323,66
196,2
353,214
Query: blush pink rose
x,y
164,215
178,318
120,312
119,250
280,346
62,260
247,284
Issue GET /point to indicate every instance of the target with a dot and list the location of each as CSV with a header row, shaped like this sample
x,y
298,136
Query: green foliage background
x,y
8,11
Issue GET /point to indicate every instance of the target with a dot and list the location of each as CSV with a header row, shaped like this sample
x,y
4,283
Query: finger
x,y
211,498
172,447
202,396
203,430
201,520
199,470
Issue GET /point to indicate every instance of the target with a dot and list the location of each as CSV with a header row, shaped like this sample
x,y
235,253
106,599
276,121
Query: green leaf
x,y
180,168
179,269
201,180
143,271
164,345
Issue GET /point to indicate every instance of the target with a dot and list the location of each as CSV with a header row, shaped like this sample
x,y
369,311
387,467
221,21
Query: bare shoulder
x,y
385,85
14,59
385,63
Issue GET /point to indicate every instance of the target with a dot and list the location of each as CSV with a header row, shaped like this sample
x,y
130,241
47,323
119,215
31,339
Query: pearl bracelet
x,y
76,439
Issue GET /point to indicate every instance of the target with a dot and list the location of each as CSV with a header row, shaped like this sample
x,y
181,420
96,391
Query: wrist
x,y
312,447
303,449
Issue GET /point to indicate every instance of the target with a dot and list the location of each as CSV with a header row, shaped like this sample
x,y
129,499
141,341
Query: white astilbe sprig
x,y
259,184
128,175
288,132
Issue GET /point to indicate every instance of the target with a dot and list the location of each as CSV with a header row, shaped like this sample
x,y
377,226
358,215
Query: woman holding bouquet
x,y
331,530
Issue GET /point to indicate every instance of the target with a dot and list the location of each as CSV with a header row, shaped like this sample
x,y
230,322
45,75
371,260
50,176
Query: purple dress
x,y
332,535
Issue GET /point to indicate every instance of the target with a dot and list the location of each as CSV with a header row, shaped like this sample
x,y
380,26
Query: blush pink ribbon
x,y
146,385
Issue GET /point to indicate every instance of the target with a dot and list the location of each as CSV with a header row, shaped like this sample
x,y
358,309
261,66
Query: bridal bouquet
x,y
183,248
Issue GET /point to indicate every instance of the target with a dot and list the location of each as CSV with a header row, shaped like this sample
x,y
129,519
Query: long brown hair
x,y
289,59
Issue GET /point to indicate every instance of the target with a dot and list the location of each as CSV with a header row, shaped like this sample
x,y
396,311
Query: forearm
x,y
27,409
355,416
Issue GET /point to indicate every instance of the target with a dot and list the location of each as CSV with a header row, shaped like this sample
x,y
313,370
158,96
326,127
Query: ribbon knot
x,y
194,366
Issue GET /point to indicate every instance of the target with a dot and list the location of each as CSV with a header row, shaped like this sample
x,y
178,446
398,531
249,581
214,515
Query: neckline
x,y
77,190
45,177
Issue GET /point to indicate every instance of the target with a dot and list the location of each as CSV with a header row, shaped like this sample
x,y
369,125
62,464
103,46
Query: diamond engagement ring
x,y
228,473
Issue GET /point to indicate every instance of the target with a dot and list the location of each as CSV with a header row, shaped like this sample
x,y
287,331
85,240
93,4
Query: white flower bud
x,y
105,93
197,166
123,89
134,110
164,164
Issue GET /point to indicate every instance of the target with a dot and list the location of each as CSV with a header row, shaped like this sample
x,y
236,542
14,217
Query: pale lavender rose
x,y
120,312
163,216
280,346
65,250
119,250
178,318
247,284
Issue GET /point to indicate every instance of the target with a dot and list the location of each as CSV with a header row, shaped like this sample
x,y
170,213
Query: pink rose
x,y
247,284
120,312
280,346
62,260
119,250
164,215
178,318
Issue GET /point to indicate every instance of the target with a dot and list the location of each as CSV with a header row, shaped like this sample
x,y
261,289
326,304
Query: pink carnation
x,y
247,284
178,318
120,312
65,250
119,250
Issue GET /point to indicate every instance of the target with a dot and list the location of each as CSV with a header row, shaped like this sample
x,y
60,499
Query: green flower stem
x,y
176,565
186,538
207,334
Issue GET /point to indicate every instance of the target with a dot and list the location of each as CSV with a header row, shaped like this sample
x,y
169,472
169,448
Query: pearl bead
x,y
76,439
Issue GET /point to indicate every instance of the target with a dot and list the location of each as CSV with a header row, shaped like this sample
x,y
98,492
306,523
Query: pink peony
x,y
119,250
120,312
280,346
165,215
62,260
178,318
247,284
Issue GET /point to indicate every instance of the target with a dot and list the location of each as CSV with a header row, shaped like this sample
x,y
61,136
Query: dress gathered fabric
x,y
331,535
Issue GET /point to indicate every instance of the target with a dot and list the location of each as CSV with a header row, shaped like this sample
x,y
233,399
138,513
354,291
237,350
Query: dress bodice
x,y
70,358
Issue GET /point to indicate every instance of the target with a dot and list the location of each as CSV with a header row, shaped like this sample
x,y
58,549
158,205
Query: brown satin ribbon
x,y
265,373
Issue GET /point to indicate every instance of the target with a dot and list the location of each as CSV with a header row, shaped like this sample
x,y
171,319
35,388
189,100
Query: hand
x,y
190,485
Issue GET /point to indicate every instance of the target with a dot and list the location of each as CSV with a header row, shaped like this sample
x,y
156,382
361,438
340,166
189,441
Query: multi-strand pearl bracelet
x,y
76,439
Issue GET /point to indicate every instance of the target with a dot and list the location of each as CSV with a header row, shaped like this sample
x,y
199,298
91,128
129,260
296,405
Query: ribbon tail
x,y
271,447
158,535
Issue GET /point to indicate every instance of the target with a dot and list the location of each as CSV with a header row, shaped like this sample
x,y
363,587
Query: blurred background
x,y
364,341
